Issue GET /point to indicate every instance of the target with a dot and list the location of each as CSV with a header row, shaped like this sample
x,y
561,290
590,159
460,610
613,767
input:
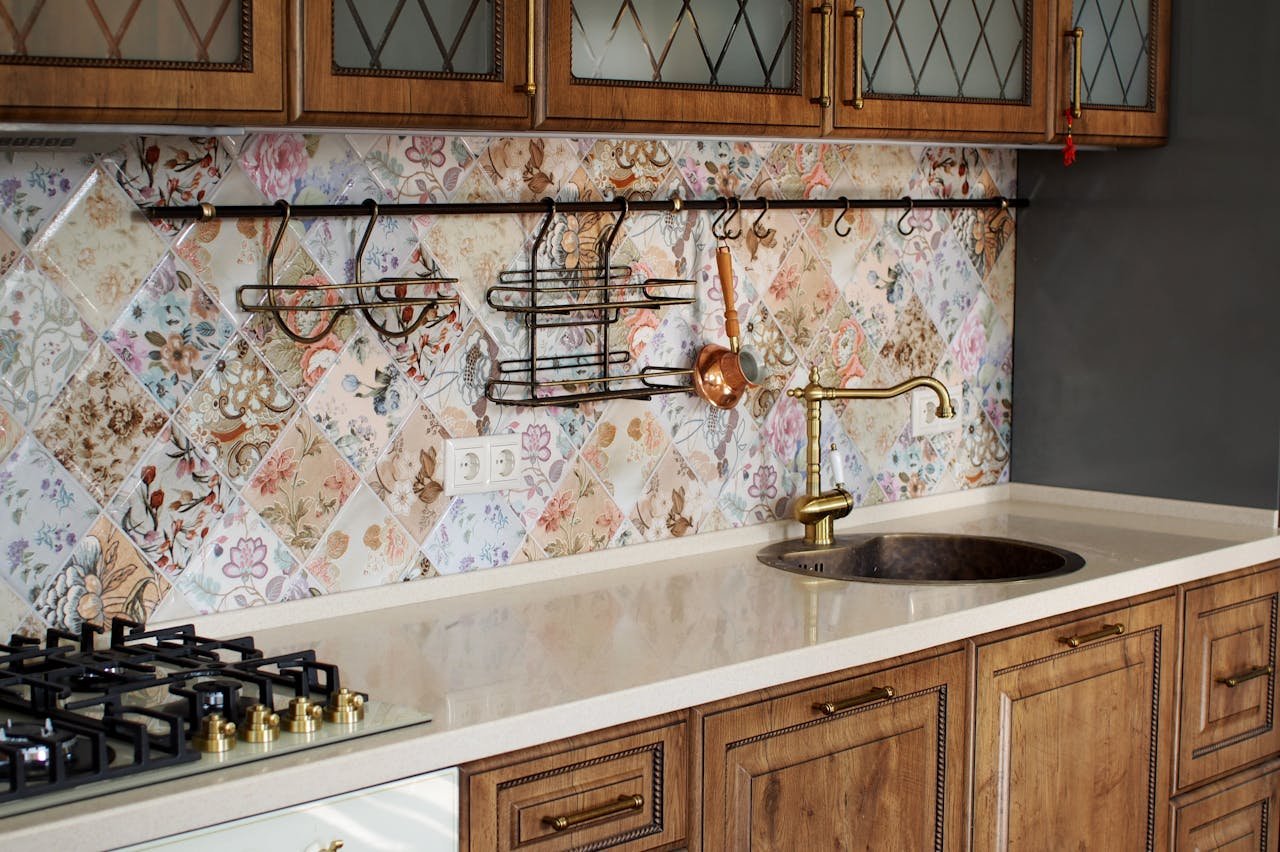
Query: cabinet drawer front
x,y
1236,814
1228,676
624,793
843,766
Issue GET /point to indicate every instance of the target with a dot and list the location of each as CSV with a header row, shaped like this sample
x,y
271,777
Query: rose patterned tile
x,y
243,563
168,170
674,503
106,577
301,485
34,185
801,296
911,469
8,252
782,435
580,518
629,168
361,401
42,340
17,617
409,477
418,169
237,411
803,170
915,346
364,547
45,512
171,505
169,333
528,168
100,424
11,433
99,249
625,448
712,169
478,531
299,168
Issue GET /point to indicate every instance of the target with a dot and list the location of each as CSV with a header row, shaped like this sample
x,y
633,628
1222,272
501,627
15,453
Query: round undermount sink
x,y
922,558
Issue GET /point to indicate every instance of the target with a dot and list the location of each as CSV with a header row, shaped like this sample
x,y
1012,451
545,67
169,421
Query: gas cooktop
x,y
78,720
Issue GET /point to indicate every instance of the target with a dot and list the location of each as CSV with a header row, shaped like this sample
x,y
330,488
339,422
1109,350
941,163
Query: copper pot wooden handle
x,y
724,265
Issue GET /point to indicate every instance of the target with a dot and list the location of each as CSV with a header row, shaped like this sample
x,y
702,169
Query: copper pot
x,y
721,375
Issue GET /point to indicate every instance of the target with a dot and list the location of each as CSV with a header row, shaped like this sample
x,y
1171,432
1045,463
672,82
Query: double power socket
x,y
924,407
486,463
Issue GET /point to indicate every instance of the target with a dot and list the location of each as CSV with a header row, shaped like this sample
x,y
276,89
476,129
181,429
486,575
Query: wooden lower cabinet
x,y
1236,814
872,762
1073,733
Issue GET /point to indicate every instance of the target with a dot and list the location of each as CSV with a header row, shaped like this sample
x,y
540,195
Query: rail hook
x,y
737,214
911,205
992,227
762,233
717,234
835,226
271,287
606,246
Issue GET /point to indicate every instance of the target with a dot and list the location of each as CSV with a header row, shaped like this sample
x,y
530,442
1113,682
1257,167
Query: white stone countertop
x,y
588,642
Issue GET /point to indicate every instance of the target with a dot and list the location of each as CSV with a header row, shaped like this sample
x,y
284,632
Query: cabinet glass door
x,y
178,57
684,61
450,62
942,65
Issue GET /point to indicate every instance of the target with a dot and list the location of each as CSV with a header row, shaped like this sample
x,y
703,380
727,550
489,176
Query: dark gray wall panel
x,y
1146,344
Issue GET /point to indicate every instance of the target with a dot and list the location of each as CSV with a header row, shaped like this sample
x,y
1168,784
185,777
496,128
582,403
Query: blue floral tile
x,y
911,469
169,334
478,531
712,169
34,185
44,513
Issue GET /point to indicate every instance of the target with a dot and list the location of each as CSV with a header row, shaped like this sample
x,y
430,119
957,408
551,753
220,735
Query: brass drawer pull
x,y
830,708
622,805
1235,680
1107,630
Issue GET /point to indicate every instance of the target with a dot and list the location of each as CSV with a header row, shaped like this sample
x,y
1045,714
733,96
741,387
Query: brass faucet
x,y
817,510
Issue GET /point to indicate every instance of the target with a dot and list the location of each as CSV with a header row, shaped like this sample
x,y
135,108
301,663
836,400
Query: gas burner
x,y
216,696
34,745
97,679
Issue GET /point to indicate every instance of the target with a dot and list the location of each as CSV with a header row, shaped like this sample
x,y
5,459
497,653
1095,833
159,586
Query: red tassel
x,y
1068,147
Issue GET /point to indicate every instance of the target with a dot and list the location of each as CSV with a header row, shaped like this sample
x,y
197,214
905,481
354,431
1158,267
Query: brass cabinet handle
x,y
1235,680
827,11
530,87
1106,631
830,708
622,805
1077,51
334,846
857,14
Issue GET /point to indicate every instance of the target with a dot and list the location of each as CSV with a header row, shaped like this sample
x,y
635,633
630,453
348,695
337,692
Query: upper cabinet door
x,y
144,60
685,64
931,68
405,63
1113,69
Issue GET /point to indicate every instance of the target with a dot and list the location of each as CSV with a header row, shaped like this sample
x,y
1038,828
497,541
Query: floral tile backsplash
x,y
163,450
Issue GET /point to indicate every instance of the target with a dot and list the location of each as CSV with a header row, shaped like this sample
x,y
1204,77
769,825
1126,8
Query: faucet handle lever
x,y
837,467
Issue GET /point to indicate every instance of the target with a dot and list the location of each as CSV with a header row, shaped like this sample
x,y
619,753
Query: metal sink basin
x,y
922,558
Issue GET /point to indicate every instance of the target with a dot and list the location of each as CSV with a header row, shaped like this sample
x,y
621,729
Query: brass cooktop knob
x,y
345,707
260,724
216,734
302,717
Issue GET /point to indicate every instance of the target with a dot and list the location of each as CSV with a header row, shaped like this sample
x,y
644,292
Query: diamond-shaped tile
x,y
301,485
580,518
364,547
550,436
712,169
915,347
409,477
45,512
34,185
105,578
455,392
475,250
625,448
101,423
775,361
17,617
418,169
983,233
803,170
629,168
782,435
11,433
478,531
947,285
981,458
875,424
172,503
169,333
99,249
237,411
947,172
879,171
420,353
912,468
168,170
674,503
999,285
8,252
42,340
299,168
801,296
877,289
530,168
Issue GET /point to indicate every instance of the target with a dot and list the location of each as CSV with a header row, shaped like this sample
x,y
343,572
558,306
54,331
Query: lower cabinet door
x,y
1236,814
874,762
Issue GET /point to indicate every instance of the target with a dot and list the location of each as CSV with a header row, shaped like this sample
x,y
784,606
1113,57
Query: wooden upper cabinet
x,y
1073,734
874,762
670,66
1113,59
435,63
148,61
929,69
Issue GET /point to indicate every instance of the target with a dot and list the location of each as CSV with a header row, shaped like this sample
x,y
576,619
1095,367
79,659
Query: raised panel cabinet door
x,y
437,63
870,763
1073,734
937,68
216,61
1228,676
1112,70
1236,814
754,64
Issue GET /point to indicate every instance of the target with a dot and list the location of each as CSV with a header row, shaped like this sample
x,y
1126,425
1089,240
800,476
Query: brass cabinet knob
x,y
345,707
216,734
260,725
302,717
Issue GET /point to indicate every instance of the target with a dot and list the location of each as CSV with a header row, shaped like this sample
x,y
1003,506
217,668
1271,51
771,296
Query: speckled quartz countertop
x,y
589,646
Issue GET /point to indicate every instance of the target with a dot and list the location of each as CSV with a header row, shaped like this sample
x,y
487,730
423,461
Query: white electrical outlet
x,y
486,463
924,408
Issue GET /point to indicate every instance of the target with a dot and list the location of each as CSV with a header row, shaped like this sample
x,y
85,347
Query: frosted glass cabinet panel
x,y
442,36
150,60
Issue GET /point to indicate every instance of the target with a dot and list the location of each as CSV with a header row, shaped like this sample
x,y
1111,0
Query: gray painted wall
x,y
1146,352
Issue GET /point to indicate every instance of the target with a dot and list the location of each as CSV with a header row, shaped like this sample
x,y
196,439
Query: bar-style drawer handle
x,y
830,708
622,805
1235,680
1107,630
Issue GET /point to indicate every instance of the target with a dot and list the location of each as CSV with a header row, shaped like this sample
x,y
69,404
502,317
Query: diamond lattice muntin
x,y
424,36
124,31
1116,53
730,43
951,49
